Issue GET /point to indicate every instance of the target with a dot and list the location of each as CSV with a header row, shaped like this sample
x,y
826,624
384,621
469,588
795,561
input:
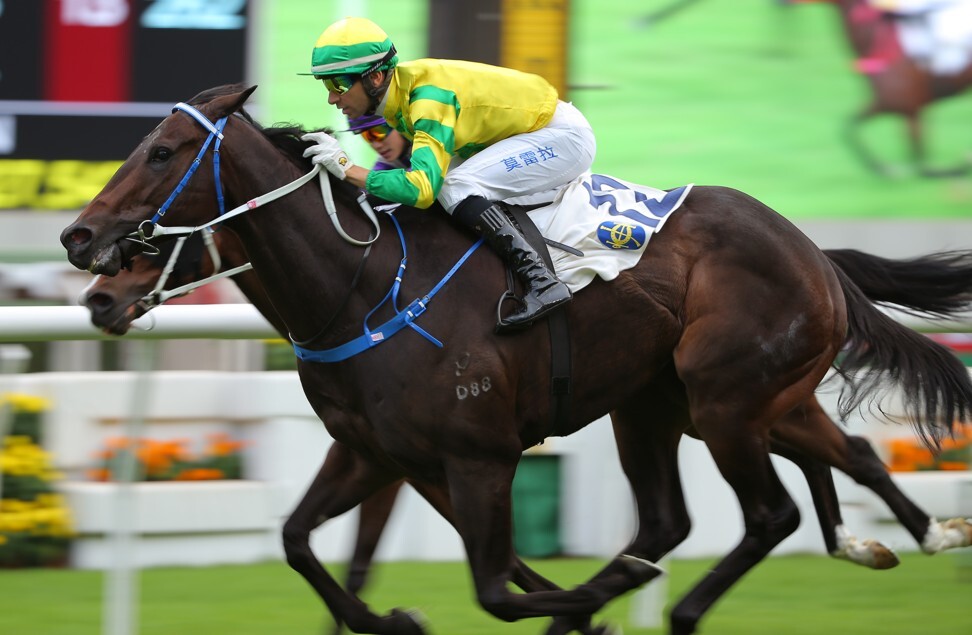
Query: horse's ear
x,y
226,105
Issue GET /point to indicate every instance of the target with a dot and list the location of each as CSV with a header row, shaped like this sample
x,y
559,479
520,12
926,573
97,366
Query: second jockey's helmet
x,y
352,46
358,124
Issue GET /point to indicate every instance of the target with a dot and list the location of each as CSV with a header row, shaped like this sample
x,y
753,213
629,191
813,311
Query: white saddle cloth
x,y
607,219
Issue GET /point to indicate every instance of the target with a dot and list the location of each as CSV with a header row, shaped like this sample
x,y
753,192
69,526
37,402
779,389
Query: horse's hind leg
x,y
814,434
852,135
919,154
769,516
741,374
343,482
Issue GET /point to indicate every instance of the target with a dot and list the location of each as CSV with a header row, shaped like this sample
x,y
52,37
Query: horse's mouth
x,y
114,257
123,322
106,261
88,247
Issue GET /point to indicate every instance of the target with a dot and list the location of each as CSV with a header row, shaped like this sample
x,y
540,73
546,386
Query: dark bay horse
x,y
899,85
729,322
936,286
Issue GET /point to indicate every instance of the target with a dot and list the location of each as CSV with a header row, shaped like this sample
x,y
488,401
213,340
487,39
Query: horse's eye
x,y
161,155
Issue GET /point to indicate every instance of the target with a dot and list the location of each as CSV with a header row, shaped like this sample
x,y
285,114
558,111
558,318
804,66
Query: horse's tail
x,y
933,384
937,285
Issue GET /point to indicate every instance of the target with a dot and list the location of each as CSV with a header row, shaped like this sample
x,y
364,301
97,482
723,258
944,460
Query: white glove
x,y
328,153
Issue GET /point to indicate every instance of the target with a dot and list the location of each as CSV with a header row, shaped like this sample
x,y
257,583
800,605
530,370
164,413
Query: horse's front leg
x,y
648,451
373,515
372,518
523,576
345,479
480,492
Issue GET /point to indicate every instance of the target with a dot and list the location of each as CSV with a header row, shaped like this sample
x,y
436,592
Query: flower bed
x,y
172,460
35,523
910,455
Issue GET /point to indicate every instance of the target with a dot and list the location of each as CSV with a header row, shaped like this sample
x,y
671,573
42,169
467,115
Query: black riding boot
x,y
545,291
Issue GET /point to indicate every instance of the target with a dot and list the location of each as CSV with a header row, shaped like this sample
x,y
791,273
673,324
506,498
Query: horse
x,y
935,286
729,323
899,85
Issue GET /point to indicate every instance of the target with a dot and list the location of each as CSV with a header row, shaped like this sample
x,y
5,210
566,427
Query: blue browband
x,y
406,317
215,131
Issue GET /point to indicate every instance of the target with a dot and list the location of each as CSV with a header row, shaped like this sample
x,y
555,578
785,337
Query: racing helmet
x,y
352,46
359,124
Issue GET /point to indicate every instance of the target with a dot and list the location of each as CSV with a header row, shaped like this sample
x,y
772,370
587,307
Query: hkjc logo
x,y
621,235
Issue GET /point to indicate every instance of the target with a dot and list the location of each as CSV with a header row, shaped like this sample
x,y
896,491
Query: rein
x,y
401,319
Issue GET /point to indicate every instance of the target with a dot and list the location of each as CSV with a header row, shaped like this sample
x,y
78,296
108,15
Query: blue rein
x,y
402,318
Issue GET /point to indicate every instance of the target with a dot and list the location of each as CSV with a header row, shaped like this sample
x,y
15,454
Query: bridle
x,y
151,229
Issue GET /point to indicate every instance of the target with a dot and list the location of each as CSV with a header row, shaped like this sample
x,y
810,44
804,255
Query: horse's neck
x,y
303,265
233,255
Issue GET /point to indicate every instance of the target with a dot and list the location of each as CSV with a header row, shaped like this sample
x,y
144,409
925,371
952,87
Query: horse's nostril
x,y
75,238
80,236
101,301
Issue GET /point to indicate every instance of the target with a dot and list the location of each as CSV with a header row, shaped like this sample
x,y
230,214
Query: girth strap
x,y
557,324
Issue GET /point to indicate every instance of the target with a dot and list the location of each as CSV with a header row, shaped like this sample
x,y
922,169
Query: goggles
x,y
376,133
340,84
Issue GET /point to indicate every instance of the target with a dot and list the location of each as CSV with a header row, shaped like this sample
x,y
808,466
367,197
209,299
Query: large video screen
x,y
82,81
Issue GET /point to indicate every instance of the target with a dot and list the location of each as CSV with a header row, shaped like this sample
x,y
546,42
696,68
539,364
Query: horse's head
x,y
116,302
99,240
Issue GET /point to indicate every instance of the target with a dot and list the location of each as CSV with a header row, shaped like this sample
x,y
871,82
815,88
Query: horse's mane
x,y
284,136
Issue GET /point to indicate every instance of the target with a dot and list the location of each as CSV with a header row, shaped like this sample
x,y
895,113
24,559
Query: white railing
x,y
228,321
184,321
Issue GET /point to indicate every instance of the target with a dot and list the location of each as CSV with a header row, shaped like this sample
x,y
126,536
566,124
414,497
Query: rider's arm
x,y
357,175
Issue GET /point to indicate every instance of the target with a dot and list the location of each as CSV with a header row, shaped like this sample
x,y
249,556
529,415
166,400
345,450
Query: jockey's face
x,y
355,102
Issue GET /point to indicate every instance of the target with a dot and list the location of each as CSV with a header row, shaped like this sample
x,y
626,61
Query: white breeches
x,y
527,168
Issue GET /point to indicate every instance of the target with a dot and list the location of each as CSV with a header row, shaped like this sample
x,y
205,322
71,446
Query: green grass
x,y
741,93
796,595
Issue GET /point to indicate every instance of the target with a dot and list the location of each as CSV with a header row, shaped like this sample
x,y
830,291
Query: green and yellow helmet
x,y
352,46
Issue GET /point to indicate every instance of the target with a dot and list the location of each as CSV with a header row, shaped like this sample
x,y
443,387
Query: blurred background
x,y
752,94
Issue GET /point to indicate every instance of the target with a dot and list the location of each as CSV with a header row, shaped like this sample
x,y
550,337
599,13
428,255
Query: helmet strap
x,y
375,93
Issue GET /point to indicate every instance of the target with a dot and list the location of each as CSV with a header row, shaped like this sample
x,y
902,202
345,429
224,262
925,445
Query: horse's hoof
x,y
893,172
564,625
953,533
881,557
410,622
607,629
963,529
867,553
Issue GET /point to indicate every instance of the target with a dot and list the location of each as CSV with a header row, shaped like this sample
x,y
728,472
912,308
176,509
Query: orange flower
x,y
200,474
220,444
118,443
99,474
956,466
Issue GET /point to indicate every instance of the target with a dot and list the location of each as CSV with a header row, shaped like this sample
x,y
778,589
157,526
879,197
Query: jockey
x,y
937,32
394,149
480,134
